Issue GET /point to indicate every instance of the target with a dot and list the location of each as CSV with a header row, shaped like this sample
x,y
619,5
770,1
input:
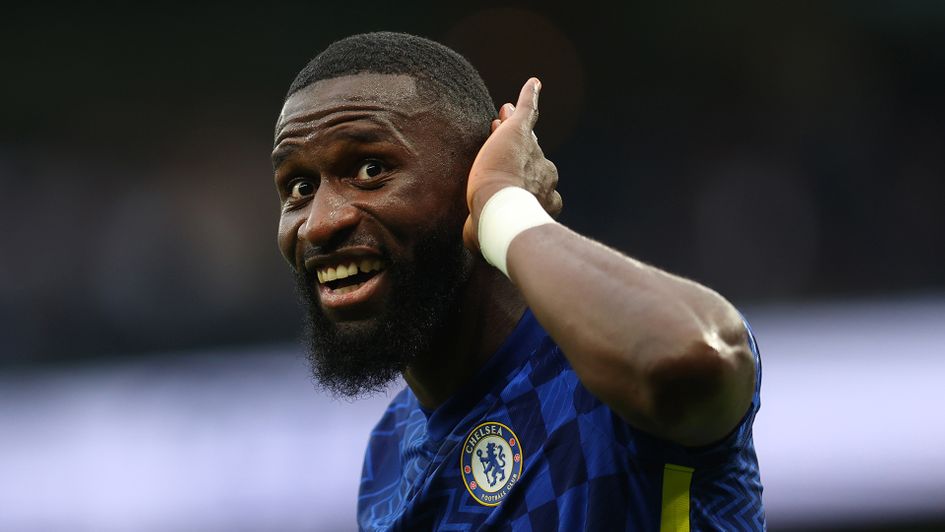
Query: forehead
x,y
394,94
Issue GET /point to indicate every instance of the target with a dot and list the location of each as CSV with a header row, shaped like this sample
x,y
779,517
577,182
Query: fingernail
x,y
537,85
511,108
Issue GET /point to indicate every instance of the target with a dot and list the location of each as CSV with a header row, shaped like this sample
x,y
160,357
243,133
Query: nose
x,y
330,217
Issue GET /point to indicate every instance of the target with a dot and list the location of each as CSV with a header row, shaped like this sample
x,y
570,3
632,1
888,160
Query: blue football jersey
x,y
526,447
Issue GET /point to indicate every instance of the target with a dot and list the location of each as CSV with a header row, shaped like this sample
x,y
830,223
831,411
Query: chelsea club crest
x,y
491,462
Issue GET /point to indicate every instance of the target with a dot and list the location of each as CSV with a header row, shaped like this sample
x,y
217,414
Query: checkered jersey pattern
x,y
583,467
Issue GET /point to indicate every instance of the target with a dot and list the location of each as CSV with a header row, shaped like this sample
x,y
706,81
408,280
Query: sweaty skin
x,y
668,355
333,211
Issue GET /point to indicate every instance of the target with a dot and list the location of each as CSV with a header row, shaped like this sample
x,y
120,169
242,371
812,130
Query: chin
x,y
361,347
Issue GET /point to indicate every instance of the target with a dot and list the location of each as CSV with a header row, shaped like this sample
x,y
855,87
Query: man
x,y
553,383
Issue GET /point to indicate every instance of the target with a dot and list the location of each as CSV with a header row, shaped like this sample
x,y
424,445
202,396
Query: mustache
x,y
315,250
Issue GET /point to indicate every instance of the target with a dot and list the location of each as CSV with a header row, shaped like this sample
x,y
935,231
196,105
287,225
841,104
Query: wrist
x,y
505,214
482,196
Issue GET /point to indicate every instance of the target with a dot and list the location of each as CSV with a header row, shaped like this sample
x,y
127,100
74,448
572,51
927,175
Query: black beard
x,y
361,358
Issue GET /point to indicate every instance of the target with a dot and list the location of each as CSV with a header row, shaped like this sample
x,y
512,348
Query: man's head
x,y
442,75
372,151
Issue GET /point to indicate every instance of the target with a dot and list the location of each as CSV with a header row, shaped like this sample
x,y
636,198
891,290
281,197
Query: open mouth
x,y
345,278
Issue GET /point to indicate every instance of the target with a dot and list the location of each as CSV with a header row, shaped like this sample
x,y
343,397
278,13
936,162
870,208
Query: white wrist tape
x,y
507,213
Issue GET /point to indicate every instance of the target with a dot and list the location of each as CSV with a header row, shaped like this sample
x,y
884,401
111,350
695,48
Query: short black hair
x,y
440,72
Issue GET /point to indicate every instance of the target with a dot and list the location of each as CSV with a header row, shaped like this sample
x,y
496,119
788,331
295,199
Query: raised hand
x,y
511,156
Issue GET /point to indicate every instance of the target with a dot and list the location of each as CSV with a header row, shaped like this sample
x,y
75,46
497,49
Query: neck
x,y
490,308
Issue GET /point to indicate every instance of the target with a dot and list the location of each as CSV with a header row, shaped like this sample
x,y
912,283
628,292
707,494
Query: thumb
x,y
526,109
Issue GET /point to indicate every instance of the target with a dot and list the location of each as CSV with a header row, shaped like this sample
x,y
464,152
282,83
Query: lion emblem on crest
x,y
493,464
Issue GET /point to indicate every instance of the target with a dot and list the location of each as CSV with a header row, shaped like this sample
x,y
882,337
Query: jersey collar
x,y
490,380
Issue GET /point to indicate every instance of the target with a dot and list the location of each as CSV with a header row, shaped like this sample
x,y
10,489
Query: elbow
x,y
699,395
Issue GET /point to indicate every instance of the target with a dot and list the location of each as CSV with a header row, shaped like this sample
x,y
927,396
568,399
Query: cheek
x,y
449,183
440,207
287,237
454,199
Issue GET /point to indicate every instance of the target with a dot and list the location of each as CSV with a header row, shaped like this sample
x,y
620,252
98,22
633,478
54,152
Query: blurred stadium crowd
x,y
773,153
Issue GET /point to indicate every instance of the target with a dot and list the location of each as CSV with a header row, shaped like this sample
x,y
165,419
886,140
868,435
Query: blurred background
x,y
792,157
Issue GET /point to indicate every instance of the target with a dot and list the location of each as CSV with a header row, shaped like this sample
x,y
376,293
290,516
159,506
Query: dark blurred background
x,y
787,152
781,154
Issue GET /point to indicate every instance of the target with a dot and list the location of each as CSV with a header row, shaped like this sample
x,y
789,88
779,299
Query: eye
x,y
301,188
370,169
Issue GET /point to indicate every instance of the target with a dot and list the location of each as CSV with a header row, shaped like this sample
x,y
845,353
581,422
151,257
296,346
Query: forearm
x,y
667,354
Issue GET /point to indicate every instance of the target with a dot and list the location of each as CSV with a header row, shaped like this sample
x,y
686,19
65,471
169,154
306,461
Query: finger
x,y
506,111
554,209
553,172
495,124
527,104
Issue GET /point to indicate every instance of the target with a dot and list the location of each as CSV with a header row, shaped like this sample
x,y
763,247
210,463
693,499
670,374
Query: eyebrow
x,y
280,154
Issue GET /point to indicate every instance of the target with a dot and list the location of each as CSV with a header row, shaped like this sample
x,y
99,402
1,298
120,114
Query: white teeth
x,y
368,265
346,271
341,271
